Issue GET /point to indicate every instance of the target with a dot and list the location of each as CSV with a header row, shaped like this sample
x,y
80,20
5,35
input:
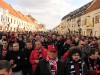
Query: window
x,y
8,19
11,20
85,22
14,21
93,21
1,18
97,19
19,23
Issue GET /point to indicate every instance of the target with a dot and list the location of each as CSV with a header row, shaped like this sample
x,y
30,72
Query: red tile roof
x,y
28,19
8,6
94,5
13,12
31,18
21,16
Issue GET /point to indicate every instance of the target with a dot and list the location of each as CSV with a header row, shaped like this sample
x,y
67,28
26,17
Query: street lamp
x,y
24,28
68,27
17,28
69,30
91,33
79,29
8,25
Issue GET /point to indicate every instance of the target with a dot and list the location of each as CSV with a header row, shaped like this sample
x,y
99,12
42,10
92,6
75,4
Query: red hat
x,y
51,48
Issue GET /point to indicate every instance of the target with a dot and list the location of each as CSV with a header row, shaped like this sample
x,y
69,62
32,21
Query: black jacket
x,y
21,45
0,52
44,69
26,54
87,59
17,57
65,48
68,66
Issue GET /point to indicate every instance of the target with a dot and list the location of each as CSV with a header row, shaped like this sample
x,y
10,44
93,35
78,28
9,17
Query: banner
x,y
89,24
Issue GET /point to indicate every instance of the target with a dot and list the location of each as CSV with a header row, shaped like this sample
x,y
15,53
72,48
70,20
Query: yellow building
x,y
71,22
91,19
85,20
61,28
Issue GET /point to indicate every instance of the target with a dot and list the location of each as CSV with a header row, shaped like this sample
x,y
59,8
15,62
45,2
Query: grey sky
x,y
48,12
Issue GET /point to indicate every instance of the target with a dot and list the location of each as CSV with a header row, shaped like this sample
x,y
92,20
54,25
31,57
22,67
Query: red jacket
x,y
34,56
64,57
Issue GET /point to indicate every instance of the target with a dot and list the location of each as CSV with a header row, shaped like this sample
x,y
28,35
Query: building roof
x,y
94,5
7,6
28,19
18,14
31,18
77,12
21,16
41,26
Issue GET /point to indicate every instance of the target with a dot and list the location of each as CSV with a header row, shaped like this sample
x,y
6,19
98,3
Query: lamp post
x,y
68,27
8,25
79,29
18,28
91,33
24,28
69,30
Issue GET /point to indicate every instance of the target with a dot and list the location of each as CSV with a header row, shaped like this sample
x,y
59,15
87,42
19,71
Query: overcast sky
x,y
48,12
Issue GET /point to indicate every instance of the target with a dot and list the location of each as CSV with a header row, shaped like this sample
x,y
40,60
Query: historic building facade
x,y
91,19
12,20
84,21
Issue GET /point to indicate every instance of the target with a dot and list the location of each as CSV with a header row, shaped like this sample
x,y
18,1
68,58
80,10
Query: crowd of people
x,y
48,53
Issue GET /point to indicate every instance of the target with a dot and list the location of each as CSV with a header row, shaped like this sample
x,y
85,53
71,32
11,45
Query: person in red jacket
x,y
37,54
64,57
50,65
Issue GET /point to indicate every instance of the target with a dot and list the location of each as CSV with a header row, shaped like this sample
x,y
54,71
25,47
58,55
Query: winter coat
x,y
44,69
34,56
68,67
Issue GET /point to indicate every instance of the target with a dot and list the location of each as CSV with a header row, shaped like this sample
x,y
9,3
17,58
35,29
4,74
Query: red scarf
x,y
92,69
4,52
39,54
53,65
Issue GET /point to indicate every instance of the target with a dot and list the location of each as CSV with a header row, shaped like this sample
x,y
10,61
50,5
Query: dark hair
x,y
38,41
4,35
74,50
92,51
28,41
5,65
5,40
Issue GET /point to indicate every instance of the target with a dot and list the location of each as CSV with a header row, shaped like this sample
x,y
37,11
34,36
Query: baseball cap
x,y
52,48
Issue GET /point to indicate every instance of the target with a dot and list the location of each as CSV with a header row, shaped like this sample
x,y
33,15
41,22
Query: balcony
x,y
89,25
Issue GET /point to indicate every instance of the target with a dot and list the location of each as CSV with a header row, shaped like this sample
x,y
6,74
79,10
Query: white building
x,y
13,20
